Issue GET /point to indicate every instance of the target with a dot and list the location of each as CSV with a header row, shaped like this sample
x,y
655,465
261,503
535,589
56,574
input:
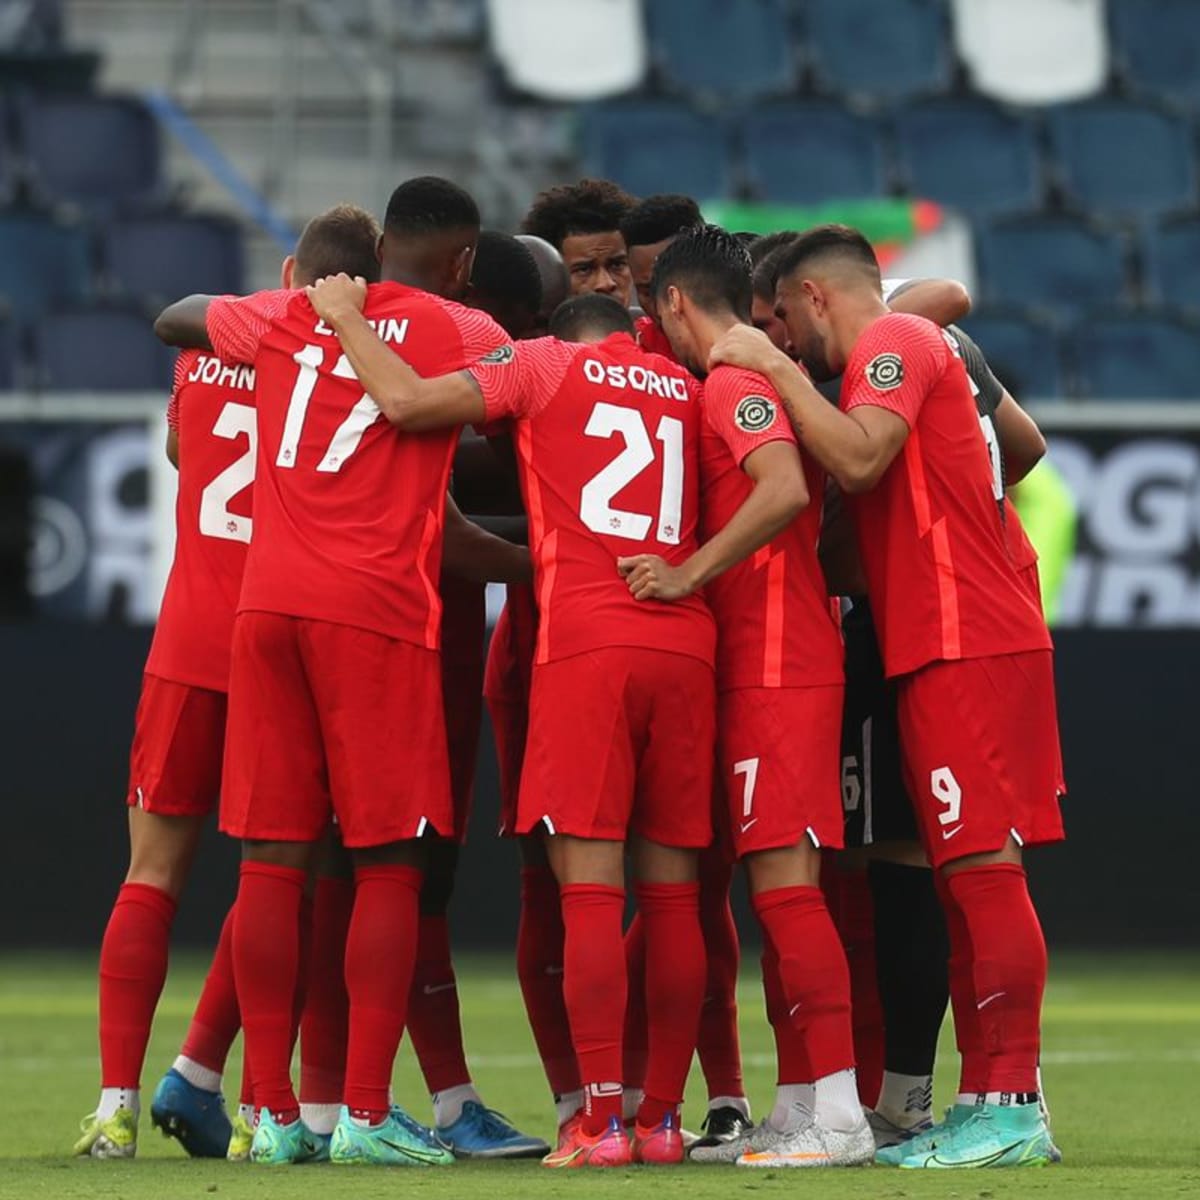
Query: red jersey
x,y
607,445
652,339
933,546
774,624
349,510
212,410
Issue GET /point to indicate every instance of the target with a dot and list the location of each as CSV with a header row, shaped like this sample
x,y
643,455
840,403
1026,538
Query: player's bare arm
x,y
172,448
409,402
185,323
477,556
855,448
1021,441
779,494
942,301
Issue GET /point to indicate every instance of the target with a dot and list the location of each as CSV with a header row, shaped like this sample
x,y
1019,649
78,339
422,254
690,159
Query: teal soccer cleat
x,y
993,1135
278,1145
926,1140
394,1142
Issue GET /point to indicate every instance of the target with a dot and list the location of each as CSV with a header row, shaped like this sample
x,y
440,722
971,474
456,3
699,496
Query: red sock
x,y
217,1018
791,1052
381,953
1008,965
851,906
813,974
133,969
434,1023
636,1039
676,972
594,990
303,966
326,1015
266,966
968,1033
718,1046
540,971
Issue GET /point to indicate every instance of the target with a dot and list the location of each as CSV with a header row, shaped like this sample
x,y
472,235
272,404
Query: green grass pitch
x,y
1122,1059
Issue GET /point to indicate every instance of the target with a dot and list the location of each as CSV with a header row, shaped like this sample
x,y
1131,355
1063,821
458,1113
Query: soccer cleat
x,y
482,1132
397,1141
276,1145
889,1134
924,1142
577,1149
661,1144
993,1136
722,1125
758,1137
813,1145
113,1137
193,1117
421,1132
241,1137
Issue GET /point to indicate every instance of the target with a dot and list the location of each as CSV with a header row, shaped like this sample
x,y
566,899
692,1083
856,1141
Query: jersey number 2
x,y
215,518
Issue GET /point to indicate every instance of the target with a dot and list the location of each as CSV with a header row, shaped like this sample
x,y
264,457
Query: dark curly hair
x,y
589,206
657,218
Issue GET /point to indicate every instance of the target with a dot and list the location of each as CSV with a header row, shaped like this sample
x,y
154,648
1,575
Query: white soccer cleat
x,y
814,1146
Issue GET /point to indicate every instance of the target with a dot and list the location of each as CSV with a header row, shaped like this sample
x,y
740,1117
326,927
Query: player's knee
x,y
296,855
1009,853
654,862
161,850
784,866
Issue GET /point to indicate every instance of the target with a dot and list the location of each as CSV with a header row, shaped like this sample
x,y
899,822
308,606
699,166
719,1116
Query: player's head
x,y
590,317
769,243
820,274
701,278
554,277
429,236
344,238
582,221
648,228
505,283
762,307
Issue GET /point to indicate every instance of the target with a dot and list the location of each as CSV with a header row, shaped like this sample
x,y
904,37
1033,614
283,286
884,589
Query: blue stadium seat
x,y
42,262
1052,262
711,48
1157,46
8,355
1173,262
971,155
102,350
1136,356
96,151
651,148
1117,157
1023,352
891,50
165,257
810,153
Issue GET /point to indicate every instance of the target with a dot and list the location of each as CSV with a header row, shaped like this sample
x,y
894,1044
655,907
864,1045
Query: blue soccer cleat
x,y
481,1132
196,1119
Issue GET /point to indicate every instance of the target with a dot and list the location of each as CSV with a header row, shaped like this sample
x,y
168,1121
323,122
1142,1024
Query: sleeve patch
x,y
500,357
885,372
755,414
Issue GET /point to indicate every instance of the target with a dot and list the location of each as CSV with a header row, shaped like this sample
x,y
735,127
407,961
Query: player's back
x,y
212,409
350,510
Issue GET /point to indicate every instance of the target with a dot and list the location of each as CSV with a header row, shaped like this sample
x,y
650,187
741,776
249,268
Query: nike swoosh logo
x,y
412,1152
947,834
993,996
985,1161
441,987
746,824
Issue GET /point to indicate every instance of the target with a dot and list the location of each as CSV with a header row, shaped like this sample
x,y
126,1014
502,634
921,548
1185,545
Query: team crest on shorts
x,y
754,414
500,357
885,371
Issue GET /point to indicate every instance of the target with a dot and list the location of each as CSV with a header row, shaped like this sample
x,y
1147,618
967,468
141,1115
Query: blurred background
x,y
1044,152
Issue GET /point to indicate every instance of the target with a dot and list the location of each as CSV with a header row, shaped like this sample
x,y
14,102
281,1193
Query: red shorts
x,y
979,741
330,718
510,727
621,740
779,756
178,741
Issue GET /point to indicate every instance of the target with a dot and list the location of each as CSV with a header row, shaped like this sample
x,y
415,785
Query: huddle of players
x,y
610,688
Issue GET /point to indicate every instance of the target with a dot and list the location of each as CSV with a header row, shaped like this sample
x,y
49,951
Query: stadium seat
x,y
969,154
714,49
811,153
1033,51
891,50
100,350
1052,262
584,50
42,263
661,147
1136,356
8,354
165,257
1173,262
1159,55
1023,352
99,152
1116,157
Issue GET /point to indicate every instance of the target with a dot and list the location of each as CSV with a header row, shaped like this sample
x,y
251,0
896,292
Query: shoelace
x,y
421,1132
495,1124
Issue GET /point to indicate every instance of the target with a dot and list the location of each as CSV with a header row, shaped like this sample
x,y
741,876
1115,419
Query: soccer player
x,y
779,681
648,228
965,643
582,221
175,763
335,677
554,279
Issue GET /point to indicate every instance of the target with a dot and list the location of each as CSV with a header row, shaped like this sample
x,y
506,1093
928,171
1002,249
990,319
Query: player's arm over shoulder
x,y
232,326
